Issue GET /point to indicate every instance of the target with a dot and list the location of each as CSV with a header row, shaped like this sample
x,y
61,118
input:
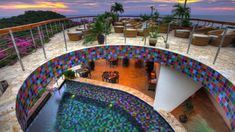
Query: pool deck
x,y
15,76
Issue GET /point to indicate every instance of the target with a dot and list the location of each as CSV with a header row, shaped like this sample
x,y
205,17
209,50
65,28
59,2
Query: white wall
x,y
173,88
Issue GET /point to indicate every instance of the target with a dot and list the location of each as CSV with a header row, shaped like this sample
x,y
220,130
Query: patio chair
x,y
75,36
118,24
204,30
118,29
142,32
163,28
216,39
200,39
182,33
130,32
138,26
79,29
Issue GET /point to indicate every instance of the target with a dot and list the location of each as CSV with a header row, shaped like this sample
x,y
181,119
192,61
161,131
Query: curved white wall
x,y
173,88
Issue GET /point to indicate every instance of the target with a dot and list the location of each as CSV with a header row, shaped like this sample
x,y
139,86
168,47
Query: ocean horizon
x,y
227,18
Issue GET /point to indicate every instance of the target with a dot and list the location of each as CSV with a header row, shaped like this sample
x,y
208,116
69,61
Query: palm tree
x,y
117,8
181,12
152,9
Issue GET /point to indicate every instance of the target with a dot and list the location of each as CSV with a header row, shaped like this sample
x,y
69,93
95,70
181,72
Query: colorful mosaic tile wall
x,y
221,88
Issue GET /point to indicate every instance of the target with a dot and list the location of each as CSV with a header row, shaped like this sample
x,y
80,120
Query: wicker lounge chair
x,y
118,29
79,29
119,24
130,32
216,39
142,32
204,30
138,26
201,39
163,28
75,36
182,33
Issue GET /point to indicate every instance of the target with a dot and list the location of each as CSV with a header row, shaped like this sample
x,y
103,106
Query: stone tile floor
x,y
15,76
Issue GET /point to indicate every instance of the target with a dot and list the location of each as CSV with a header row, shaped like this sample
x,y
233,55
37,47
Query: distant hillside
x,y
29,17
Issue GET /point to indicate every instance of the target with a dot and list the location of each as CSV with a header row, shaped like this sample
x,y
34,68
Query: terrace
x,y
36,44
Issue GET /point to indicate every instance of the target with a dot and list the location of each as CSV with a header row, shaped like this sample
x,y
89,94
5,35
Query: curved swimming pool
x,y
85,107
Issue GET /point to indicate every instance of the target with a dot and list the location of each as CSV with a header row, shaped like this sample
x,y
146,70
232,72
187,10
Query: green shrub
x,y
167,19
29,17
69,74
186,23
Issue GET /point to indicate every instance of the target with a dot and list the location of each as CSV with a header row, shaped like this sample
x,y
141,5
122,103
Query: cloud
x,y
36,5
64,10
216,8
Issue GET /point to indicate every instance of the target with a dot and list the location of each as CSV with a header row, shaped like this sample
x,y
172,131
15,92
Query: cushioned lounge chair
x,y
130,32
142,32
182,33
163,28
75,36
118,29
200,39
118,24
204,30
217,37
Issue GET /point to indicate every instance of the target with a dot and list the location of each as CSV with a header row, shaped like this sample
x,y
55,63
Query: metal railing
x,y
17,42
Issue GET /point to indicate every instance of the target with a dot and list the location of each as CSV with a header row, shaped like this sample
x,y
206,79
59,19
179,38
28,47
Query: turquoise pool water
x,y
92,115
85,107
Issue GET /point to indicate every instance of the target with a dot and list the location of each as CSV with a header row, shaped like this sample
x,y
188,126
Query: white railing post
x,y
51,29
56,28
43,48
221,43
191,38
64,37
221,26
34,43
167,36
47,31
16,49
124,33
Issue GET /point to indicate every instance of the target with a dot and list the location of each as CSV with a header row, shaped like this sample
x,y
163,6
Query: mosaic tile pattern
x,y
98,108
214,82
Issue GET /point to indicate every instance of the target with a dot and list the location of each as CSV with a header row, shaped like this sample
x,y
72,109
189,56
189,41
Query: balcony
x,y
49,39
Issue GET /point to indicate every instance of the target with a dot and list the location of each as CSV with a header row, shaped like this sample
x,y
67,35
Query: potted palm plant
x,y
188,108
69,74
98,30
153,36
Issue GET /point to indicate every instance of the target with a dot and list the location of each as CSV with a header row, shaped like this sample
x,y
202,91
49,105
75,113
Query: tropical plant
x,y
145,17
152,9
186,23
69,74
100,27
117,8
198,124
154,33
167,19
188,106
29,17
181,11
111,16
155,15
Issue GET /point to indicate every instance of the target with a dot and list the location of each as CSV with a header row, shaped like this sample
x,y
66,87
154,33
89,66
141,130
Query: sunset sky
x,y
91,7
